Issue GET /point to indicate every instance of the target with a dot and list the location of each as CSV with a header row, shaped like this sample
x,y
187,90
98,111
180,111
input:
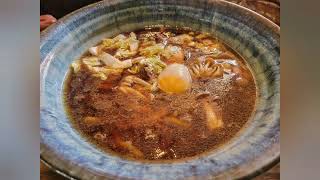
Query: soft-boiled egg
x,y
175,78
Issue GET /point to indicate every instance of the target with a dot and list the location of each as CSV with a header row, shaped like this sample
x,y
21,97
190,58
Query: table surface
x,y
47,174
268,8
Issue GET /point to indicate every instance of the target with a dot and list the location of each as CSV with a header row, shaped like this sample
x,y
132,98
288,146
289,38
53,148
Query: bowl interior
x,y
252,36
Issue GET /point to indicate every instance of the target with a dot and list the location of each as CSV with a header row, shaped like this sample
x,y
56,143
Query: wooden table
x,y
48,174
267,8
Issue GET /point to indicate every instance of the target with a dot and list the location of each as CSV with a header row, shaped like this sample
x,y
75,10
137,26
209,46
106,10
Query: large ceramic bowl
x,y
253,150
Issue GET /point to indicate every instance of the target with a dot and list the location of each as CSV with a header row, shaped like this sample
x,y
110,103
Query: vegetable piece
x,y
129,90
173,54
202,95
123,53
129,47
100,136
227,65
212,49
131,80
110,83
142,82
93,64
126,46
119,37
145,43
240,71
207,42
154,86
175,78
91,121
91,61
178,122
219,72
153,65
225,55
76,66
152,50
181,39
113,62
242,81
137,66
134,69
114,43
134,43
103,72
213,121
105,86
149,134
94,50
137,60
131,148
128,146
202,36
242,76
192,44
186,118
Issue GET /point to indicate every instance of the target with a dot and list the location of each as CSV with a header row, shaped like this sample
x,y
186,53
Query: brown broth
x,y
139,129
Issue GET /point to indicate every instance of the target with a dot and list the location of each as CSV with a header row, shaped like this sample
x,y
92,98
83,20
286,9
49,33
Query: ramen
x,y
159,94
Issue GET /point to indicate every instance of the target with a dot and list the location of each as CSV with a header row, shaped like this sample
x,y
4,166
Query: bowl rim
x,y
270,24
52,27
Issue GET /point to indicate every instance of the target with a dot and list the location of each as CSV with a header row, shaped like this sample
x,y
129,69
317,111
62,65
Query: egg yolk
x,y
175,78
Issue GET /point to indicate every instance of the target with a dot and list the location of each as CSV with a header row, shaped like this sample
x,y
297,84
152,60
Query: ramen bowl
x,y
254,149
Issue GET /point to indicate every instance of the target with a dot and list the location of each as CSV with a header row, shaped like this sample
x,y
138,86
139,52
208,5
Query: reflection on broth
x,y
159,94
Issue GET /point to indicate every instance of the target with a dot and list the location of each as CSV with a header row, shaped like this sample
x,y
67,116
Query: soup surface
x,y
159,94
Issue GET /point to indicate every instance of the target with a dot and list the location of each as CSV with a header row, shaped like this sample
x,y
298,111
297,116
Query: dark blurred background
x,y
59,8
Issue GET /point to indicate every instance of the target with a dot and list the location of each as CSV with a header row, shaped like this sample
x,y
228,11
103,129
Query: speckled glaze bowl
x,y
252,151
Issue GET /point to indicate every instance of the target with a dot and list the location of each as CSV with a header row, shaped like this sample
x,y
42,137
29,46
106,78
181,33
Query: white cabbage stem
x,y
113,62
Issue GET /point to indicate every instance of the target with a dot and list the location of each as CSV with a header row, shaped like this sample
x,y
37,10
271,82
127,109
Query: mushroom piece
x,y
213,121
206,69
